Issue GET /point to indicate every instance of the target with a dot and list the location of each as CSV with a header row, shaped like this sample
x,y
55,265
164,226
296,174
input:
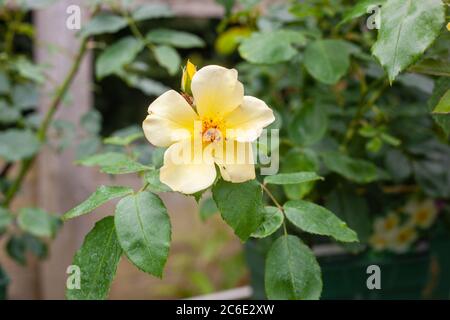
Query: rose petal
x,y
216,91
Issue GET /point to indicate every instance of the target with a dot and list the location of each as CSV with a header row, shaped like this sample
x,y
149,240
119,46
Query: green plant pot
x,y
419,275
4,281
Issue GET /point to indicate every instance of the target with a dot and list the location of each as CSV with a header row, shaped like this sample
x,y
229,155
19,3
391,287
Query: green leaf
x,y
37,222
125,166
148,86
152,11
177,39
102,195
273,219
408,28
432,67
8,114
240,205
168,57
296,161
357,170
34,245
97,259
353,210
359,9
398,165
65,133
308,125
271,47
25,96
103,23
433,176
5,84
144,231
154,183
119,54
208,208
18,144
443,120
327,60
123,141
443,105
5,219
315,219
393,141
292,178
292,272
374,145
29,71
16,249
103,159
91,121
87,147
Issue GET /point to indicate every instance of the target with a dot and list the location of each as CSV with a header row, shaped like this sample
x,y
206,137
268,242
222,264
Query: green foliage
x,y
327,60
103,23
308,125
360,9
117,55
271,47
168,58
292,272
313,218
16,249
152,11
103,159
125,166
97,260
295,161
408,28
273,219
37,222
292,178
91,122
154,183
441,88
24,96
5,219
240,206
144,231
102,195
354,211
178,39
357,170
16,144
30,71
123,141
444,104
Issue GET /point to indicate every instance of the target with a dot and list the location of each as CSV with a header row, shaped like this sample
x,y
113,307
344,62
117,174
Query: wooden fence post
x,y
60,184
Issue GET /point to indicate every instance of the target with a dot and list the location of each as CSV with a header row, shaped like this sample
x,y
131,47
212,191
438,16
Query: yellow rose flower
x,y
386,224
217,130
422,213
378,241
402,238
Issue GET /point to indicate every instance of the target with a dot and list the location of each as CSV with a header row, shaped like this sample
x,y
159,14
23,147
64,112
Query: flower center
x,y
422,215
212,130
